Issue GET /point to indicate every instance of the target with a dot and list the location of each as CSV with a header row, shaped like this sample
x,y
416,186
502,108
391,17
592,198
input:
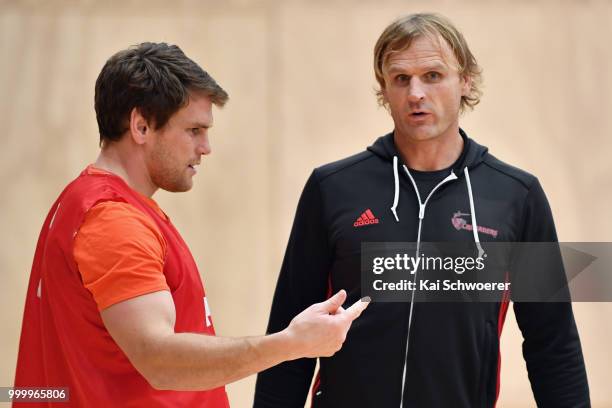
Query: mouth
x,y
194,167
419,116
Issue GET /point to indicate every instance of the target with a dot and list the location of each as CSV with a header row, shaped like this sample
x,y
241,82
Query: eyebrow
x,y
200,125
425,67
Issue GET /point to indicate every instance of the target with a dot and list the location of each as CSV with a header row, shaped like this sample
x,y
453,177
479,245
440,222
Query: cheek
x,y
450,96
164,157
395,98
459,89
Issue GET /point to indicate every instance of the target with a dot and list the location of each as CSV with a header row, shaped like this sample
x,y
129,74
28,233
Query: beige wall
x,y
301,84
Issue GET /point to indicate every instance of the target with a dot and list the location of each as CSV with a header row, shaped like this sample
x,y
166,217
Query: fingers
x,y
356,308
338,311
333,303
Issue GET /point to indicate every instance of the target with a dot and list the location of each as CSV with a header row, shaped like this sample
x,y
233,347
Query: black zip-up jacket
x,y
453,354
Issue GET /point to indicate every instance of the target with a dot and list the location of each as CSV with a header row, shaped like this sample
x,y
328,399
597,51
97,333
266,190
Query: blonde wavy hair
x,y
399,35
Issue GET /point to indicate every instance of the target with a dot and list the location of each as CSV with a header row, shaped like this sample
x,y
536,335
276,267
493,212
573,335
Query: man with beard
x,y
116,310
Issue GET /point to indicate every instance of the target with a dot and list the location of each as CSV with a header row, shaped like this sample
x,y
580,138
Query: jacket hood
x,y
472,155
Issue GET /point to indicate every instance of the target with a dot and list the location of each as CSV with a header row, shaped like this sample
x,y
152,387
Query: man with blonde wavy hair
x,y
424,181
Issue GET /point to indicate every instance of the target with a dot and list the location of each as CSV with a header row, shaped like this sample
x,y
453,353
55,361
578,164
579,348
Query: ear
x,y
467,85
384,98
139,127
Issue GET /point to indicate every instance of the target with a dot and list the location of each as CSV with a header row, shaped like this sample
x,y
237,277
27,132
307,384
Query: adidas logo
x,y
366,218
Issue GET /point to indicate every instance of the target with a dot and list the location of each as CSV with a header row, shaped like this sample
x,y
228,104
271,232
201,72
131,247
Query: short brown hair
x,y
399,35
156,78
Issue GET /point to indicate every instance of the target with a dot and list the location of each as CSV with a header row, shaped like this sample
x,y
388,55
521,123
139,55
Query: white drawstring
x,y
473,213
468,182
422,206
396,196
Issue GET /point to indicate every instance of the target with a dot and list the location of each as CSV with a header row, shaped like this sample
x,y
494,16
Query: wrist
x,y
288,343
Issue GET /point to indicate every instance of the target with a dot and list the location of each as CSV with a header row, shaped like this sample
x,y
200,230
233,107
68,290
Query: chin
x,y
177,187
184,188
422,134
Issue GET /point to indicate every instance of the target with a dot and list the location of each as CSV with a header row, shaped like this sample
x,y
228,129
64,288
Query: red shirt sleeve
x,y
120,253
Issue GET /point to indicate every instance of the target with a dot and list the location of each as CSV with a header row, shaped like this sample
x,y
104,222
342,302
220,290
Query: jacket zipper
x,y
422,206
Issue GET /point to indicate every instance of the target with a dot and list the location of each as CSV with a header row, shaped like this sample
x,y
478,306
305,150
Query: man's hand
x,y
320,330
143,327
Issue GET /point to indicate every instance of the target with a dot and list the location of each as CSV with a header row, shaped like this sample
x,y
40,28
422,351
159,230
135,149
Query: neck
x,y
432,154
127,165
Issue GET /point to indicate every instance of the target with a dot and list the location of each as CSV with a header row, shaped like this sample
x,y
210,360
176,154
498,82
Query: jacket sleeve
x,y
551,345
303,280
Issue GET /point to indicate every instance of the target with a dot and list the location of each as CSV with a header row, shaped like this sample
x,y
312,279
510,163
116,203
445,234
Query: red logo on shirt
x,y
462,224
366,218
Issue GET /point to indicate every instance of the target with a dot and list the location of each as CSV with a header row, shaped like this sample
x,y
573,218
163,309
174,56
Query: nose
x,y
416,90
203,147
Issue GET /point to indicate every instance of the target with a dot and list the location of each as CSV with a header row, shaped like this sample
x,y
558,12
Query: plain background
x,y
300,78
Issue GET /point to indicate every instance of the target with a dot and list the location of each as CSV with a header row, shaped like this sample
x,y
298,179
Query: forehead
x,y
197,111
425,51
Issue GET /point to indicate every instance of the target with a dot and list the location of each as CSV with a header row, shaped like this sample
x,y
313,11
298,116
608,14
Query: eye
x,y
433,76
402,79
195,131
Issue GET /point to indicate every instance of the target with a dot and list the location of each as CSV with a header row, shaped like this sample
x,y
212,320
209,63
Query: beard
x,y
168,173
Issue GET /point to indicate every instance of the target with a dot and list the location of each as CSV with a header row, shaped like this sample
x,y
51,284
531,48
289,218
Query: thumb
x,y
359,306
333,303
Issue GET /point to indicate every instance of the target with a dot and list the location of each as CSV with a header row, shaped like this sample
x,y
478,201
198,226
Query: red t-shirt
x,y
120,253
102,243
